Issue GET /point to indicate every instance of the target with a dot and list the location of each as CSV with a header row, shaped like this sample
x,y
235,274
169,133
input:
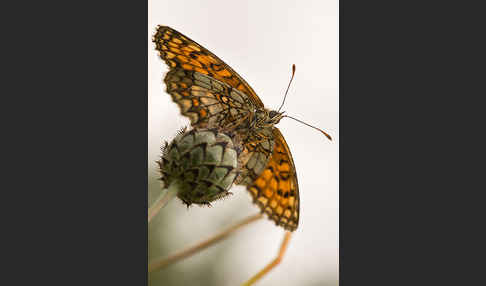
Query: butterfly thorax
x,y
265,118
257,127
257,121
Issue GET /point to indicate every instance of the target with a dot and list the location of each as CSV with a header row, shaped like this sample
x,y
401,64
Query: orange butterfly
x,y
211,94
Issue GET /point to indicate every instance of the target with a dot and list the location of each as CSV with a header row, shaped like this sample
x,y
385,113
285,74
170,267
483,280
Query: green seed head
x,y
203,161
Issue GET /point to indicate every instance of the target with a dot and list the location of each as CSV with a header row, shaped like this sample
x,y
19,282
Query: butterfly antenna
x,y
327,135
285,96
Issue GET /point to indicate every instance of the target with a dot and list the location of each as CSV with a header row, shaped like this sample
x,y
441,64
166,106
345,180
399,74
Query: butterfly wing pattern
x,y
212,94
178,50
276,190
206,101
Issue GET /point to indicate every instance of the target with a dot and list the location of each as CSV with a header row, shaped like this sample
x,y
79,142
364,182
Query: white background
x,y
260,40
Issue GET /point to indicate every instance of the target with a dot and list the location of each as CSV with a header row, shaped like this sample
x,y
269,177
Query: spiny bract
x,y
203,162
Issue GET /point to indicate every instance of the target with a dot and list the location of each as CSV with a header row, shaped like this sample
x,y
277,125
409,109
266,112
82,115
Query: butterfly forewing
x,y
178,50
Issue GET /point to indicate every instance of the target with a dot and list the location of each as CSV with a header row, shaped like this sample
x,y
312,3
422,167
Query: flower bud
x,y
203,162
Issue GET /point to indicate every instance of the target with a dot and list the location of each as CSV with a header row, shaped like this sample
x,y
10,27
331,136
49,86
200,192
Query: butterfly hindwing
x,y
276,190
256,153
205,101
209,103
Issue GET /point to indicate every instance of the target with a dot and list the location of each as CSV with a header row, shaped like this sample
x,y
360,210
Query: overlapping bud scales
x,y
203,162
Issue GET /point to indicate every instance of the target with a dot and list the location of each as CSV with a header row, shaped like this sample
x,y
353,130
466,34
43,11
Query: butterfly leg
x,y
274,263
262,139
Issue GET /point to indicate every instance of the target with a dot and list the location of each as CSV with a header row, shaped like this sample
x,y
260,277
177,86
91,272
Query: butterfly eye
x,y
273,113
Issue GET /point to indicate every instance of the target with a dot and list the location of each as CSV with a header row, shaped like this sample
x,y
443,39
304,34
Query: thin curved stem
x,y
272,264
160,263
165,196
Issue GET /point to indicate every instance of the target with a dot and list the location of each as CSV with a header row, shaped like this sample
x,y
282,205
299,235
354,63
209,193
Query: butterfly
x,y
212,95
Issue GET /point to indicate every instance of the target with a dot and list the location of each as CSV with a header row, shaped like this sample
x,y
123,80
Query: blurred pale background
x,y
260,40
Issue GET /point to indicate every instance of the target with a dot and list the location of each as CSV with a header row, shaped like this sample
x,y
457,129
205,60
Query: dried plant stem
x,y
165,196
272,264
160,263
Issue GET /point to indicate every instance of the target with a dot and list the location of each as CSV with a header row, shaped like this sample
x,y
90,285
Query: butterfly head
x,y
265,118
274,117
